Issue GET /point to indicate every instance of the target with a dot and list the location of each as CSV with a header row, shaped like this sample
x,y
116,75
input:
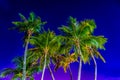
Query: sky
x,y
106,14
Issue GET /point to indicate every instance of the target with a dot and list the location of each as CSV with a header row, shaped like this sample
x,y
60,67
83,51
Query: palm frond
x,y
31,17
7,71
23,18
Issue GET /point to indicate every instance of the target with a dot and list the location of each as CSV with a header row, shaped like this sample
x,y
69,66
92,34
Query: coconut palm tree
x,y
76,32
17,71
84,32
29,26
90,49
65,57
45,45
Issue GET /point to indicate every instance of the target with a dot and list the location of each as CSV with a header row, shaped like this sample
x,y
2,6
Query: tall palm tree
x,y
76,32
90,49
29,26
17,71
45,45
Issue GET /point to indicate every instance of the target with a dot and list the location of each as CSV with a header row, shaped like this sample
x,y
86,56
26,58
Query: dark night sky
x,y
106,14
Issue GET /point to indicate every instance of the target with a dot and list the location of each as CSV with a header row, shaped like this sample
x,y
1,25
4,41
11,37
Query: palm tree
x,y
64,58
65,61
29,26
46,45
17,71
76,32
90,49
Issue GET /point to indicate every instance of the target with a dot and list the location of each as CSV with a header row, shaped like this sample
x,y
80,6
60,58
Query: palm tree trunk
x,y
71,76
25,56
80,69
51,73
44,68
80,62
95,63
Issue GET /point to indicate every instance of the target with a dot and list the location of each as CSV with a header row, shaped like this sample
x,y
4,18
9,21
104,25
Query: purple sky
x,y
60,75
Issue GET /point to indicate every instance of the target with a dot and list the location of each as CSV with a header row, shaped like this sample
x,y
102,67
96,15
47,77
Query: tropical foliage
x,y
29,26
17,70
80,35
47,47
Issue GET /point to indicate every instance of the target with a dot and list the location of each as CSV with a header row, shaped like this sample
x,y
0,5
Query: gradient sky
x,y
106,14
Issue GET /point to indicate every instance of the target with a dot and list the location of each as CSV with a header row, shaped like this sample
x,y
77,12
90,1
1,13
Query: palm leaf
x,y
6,72
23,18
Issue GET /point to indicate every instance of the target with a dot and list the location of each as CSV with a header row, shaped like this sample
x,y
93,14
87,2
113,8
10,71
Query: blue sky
x,y
106,14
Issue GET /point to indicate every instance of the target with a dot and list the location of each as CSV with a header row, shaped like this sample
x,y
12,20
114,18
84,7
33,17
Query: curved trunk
x,y
51,73
24,61
95,78
80,69
80,63
43,72
71,76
